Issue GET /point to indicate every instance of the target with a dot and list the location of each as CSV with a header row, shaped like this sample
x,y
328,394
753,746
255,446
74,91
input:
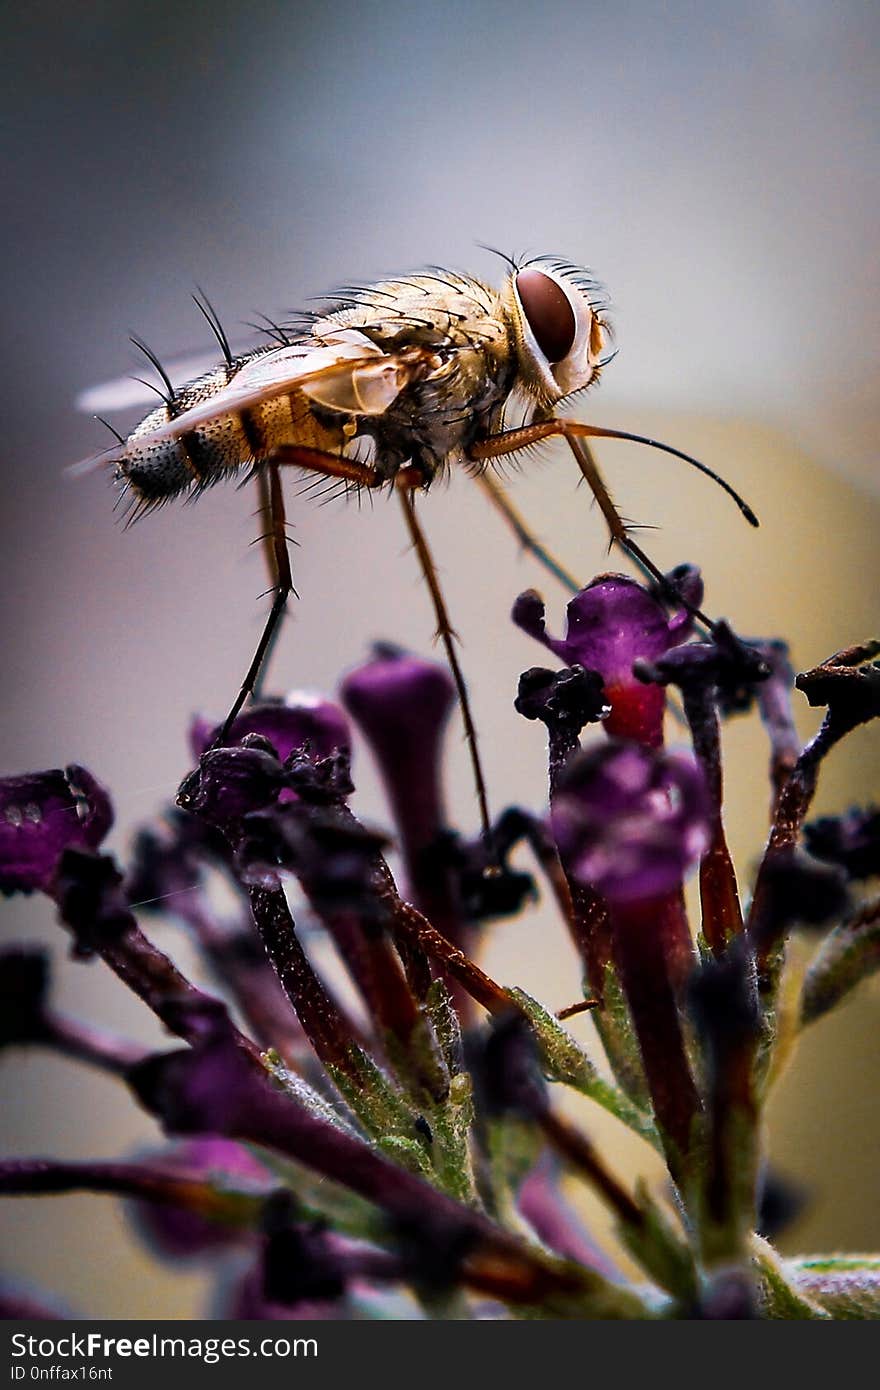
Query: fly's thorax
x,y
434,421
460,323
437,309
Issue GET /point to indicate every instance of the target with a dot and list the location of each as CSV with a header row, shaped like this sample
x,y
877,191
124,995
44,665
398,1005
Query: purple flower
x,y
611,624
725,665
630,822
232,782
401,705
41,814
179,1233
303,719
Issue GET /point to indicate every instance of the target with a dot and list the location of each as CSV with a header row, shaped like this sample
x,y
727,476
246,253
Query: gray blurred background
x,y
716,165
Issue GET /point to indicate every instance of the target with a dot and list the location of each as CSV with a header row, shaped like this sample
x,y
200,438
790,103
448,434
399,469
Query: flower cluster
x,y
403,1155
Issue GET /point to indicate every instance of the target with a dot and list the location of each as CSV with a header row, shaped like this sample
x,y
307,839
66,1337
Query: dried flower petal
x,y
851,840
730,667
848,683
91,899
801,889
564,700
505,1065
232,782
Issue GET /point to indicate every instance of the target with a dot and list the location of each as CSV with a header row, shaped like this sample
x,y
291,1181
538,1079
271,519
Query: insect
x,y
392,385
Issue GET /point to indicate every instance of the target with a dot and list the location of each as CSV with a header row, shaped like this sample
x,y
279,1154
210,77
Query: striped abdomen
x,y
156,471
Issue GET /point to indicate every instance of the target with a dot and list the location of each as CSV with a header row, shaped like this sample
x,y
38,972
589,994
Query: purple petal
x,y
301,719
610,624
41,814
401,704
629,821
232,782
180,1234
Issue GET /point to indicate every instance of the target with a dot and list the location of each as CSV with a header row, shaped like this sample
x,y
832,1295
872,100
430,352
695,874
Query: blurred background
x,y
715,165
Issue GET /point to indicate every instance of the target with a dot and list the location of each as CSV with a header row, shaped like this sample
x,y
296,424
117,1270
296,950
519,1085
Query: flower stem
x,y
650,972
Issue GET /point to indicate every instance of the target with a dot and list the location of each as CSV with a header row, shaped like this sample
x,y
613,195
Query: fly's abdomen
x,y
158,470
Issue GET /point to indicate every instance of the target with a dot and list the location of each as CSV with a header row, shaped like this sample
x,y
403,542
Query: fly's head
x,y
555,311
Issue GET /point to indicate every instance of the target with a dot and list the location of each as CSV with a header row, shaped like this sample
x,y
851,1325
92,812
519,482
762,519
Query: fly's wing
x,y
129,392
348,374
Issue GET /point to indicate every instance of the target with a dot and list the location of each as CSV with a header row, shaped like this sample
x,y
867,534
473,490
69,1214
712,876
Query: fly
x,y
397,382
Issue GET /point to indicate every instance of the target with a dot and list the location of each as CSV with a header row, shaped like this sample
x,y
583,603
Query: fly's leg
x,y
316,461
279,559
331,465
407,482
510,441
270,540
497,495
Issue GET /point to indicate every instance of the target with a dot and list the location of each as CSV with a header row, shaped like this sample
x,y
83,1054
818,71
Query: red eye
x,y
550,316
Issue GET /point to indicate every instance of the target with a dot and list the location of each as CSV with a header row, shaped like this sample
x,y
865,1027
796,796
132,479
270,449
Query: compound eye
x,y
549,313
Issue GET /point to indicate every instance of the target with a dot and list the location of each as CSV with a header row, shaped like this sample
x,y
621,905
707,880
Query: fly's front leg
x,y
497,495
511,441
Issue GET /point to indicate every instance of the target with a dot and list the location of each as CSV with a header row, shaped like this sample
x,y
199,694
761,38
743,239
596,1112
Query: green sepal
x,y
450,1151
848,955
513,1146
565,1061
660,1249
725,1238
444,1019
409,1153
846,1286
378,1105
419,1064
615,1029
778,1294
305,1095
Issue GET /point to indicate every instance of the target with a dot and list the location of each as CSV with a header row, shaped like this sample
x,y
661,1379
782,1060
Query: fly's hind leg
x,y
408,480
314,460
363,475
276,541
